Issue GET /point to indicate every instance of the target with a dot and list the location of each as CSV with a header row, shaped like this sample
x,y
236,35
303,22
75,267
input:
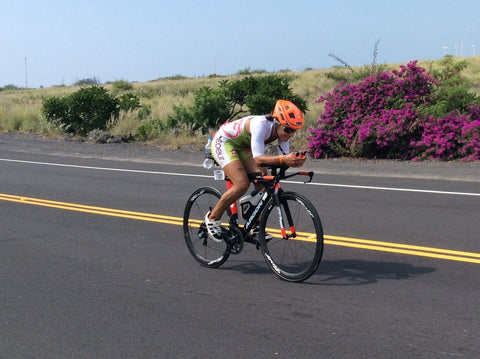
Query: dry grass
x,y
20,110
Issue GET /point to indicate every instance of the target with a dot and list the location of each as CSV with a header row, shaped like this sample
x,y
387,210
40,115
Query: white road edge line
x,y
211,176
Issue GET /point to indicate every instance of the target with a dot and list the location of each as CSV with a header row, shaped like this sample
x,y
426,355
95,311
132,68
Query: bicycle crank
x,y
234,239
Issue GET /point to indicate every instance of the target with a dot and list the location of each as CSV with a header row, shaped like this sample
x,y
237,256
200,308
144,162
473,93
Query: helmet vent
x,y
287,114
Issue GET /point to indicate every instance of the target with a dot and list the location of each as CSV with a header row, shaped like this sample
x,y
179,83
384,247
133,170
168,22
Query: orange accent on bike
x,y
233,206
269,178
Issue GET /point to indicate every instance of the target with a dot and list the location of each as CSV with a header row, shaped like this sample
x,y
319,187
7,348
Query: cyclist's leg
x,y
230,158
249,162
238,175
252,167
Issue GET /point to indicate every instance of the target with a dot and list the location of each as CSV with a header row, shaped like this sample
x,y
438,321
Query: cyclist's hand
x,y
294,159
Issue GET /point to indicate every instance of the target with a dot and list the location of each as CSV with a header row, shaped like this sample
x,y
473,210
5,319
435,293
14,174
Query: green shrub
x,y
129,102
253,94
144,112
9,88
151,129
85,110
87,82
452,92
121,85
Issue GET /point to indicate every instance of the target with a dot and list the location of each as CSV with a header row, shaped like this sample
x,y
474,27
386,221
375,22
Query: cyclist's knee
x,y
241,187
238,175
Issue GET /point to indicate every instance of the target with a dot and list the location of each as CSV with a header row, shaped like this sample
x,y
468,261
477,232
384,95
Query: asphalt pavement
x,y
399,277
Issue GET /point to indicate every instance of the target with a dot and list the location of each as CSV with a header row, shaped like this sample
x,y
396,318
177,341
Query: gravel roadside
x,y
140,152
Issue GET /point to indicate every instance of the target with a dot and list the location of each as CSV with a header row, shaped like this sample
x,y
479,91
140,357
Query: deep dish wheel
x,y
210,253
293,259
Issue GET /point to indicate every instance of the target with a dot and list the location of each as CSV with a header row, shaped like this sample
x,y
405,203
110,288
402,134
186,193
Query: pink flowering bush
x,y
386,116
455,136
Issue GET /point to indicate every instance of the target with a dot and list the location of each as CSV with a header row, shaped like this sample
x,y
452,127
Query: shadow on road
x,y
342,272
358,272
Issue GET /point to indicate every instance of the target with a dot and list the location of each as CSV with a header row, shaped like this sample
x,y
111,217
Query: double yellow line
x,y
430,252
92,209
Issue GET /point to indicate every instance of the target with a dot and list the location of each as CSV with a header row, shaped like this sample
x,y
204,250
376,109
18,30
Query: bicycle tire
x,y
209,252
293,259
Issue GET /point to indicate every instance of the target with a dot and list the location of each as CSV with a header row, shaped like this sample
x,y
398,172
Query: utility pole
x,y
26,82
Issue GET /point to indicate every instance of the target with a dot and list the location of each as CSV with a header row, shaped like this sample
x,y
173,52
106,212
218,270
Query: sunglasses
x,y
288,129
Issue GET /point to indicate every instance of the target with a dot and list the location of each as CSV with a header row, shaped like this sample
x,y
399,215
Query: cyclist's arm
x,y
290,160
260,131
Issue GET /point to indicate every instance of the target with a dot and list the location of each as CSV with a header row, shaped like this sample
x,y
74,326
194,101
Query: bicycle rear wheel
x,y
296,258
209,252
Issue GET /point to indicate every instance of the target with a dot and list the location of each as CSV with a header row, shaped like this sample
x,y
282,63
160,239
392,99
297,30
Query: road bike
x,y
283,224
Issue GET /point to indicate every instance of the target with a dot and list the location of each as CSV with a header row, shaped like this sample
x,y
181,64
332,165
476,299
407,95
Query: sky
x,y
58,42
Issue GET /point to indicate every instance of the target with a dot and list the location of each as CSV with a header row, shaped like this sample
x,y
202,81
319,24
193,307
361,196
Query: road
x,y
93,265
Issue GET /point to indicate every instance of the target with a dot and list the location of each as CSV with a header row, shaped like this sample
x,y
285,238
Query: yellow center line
x,y
391,247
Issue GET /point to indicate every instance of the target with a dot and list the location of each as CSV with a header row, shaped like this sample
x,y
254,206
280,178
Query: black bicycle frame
x,y
273,190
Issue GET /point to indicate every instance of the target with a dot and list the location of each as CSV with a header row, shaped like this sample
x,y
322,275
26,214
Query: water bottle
x,y
208,162
248,203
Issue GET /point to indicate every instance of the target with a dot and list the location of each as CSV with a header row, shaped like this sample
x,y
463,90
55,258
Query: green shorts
x,y
226,150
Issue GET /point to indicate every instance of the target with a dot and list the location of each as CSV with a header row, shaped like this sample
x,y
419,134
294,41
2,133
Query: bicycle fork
x,y
279,205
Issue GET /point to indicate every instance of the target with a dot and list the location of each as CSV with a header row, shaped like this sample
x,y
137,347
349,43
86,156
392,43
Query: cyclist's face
x,y
285,133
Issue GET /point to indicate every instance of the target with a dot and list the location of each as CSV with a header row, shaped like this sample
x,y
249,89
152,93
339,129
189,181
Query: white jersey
x,y
260,130
232,141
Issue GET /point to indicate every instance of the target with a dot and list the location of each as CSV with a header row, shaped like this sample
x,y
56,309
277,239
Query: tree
x,y
252,94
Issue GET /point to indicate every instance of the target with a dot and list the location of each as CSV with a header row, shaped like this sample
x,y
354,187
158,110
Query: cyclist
x,y
239,148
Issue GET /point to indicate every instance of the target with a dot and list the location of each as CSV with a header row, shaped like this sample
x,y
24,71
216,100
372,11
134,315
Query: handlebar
x,y
301,154
278,173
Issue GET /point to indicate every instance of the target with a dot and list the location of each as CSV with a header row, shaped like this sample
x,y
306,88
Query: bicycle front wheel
x,y
297,257
209,252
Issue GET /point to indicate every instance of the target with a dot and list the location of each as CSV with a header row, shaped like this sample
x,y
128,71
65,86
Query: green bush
x,y
129,102
9,88
121,85
252,94
87,82
144,112
210,108
153,128
452,92
87,109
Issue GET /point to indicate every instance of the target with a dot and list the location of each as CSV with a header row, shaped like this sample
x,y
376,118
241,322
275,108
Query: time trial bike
x,y
283,224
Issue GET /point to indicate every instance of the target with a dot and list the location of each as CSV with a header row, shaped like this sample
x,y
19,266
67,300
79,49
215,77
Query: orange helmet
x,y
288,114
